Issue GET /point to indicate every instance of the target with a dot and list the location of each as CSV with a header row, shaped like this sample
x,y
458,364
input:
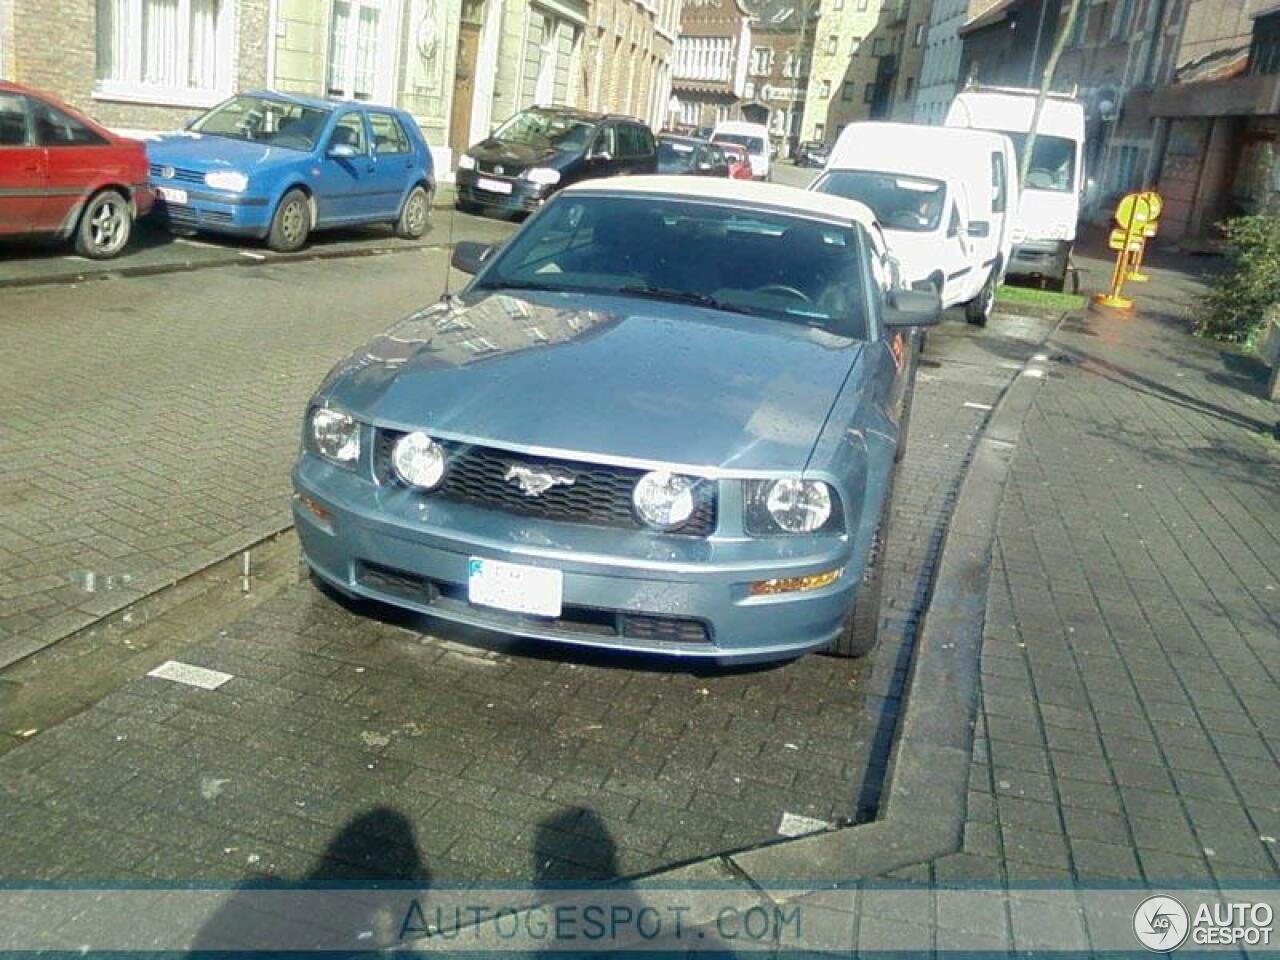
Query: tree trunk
x,y
1046,81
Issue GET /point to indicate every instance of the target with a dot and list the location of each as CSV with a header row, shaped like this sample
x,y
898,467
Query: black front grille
x,y
599,495
664,629
179,174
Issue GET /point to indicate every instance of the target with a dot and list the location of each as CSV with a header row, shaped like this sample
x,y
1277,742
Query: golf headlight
x,y
664,500
335,435
790,505
466,162
232,180
543,176
418,460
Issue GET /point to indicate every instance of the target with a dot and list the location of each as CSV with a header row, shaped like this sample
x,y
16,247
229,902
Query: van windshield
x,y
754,145
899,203
1053,162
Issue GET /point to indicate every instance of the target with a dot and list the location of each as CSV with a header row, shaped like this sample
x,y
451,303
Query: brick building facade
x,y
782,33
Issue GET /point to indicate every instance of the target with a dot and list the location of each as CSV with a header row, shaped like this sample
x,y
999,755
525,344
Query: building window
x,y
353,48
832,42
819,131
879,46
869,93
855,43
165,51
761,61
824,89
847,91
920,29
909,88
862,5
837,5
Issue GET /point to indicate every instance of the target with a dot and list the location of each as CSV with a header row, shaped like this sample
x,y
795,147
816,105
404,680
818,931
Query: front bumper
x,y
216,213
1039,258
623,589
524,196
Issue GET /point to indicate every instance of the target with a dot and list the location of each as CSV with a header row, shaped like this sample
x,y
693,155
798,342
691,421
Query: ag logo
x,y
1161,924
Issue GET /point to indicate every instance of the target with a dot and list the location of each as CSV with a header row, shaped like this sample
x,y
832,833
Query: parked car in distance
x,y
945,198
739,161
812,153
544,149
279,166
687,156
63,175
753,136
590,477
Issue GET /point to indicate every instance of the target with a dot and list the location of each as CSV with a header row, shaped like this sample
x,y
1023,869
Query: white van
x,y
1045,228
753,137
944,198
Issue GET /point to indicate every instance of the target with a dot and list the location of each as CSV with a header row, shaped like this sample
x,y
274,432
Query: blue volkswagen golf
x,y
278,166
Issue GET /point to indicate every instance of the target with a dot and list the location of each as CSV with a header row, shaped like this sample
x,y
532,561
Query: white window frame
x,y
385,60
132,88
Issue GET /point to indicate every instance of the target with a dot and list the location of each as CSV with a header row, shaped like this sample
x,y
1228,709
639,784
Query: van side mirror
x,y
979,228
912,308
469,256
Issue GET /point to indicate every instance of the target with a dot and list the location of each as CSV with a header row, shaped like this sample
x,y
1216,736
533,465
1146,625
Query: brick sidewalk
x,y
1129,728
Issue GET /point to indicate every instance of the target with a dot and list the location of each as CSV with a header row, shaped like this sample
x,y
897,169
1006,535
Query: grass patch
x,y
1039,298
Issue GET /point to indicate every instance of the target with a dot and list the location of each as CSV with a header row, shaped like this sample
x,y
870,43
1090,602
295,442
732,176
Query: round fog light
x,y
664,500
418,460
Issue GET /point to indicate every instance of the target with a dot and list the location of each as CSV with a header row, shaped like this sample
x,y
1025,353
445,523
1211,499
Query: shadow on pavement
x,y
375,849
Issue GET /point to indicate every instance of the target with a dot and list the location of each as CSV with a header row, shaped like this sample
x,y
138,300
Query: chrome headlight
x,y
232,180
335,435
790,505
418,460
543,176
664,500
466,162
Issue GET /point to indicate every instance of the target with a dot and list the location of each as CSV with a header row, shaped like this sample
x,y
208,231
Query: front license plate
x,y
170,195
493,186
515,587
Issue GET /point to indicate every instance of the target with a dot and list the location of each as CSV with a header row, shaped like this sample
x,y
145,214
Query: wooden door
x,y
464,87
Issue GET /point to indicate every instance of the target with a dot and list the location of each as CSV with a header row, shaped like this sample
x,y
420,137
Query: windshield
x,y
259,120
762,263
675,155
753,144
538,128
1053,162
899,203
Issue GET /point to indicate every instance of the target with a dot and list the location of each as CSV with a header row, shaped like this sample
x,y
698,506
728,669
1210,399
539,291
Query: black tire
x,y
861,630
415,214
105,225
291,223
978,310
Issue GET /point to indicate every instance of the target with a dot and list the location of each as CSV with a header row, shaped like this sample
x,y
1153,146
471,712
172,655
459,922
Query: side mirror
x,y
912,308
343,151
469,256
979,228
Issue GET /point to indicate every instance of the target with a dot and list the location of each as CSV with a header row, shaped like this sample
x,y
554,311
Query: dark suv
x,y
542,149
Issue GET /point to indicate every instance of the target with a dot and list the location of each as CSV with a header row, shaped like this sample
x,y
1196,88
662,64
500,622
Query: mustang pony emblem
x,y
535,481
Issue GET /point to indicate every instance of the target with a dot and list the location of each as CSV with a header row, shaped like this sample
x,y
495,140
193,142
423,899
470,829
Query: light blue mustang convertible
x,y
664,416
279,166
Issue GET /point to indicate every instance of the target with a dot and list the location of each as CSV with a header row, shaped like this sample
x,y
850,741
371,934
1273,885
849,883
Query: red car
x,y
63,174
739,162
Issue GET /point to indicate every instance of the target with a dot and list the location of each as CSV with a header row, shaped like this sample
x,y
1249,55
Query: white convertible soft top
x,y
774,195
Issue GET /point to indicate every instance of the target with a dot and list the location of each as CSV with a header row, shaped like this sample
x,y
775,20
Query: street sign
x,y
1137,217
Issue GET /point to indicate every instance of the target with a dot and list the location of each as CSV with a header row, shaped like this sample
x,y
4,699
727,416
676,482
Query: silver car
x,y
664,416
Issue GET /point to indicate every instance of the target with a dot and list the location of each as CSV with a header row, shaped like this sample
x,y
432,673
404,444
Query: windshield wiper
x,y
683,296
524,285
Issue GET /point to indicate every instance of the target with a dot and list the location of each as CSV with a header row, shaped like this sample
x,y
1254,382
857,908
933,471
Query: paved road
x,y
507,760
147,421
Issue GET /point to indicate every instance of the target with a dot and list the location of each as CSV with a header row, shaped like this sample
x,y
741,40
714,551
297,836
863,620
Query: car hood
x,y
612,377
197,152
511,155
